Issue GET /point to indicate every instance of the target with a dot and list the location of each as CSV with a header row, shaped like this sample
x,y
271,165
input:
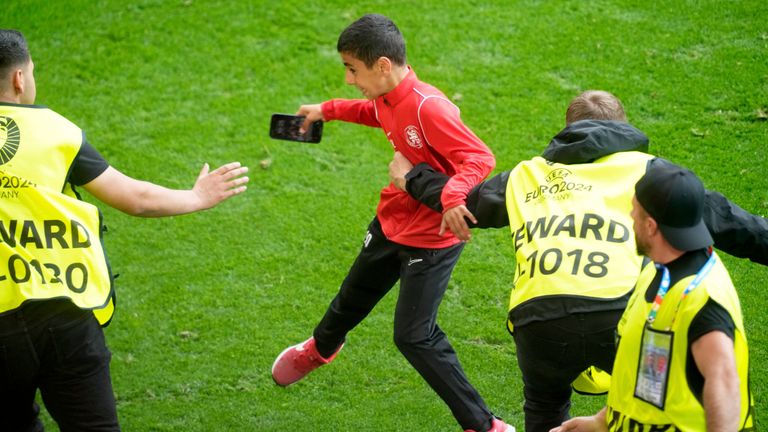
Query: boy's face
x,y
372,82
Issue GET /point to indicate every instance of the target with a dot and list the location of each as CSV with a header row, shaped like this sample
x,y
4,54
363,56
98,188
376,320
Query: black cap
x,y
674,197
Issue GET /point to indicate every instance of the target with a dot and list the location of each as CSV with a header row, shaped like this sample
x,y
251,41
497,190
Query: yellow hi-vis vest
x,y
572,229
681,409
50,241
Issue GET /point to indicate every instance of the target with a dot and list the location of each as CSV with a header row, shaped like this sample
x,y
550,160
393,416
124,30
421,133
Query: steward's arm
x,y
736,231
486,201
142,198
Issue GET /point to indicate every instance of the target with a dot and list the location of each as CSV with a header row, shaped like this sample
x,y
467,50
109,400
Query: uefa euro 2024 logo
x,y
560,184
9,139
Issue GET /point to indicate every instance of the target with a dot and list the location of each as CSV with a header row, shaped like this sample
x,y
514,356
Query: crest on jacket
x,y
413,137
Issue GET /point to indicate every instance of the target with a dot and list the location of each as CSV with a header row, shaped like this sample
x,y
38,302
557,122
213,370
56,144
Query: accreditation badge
x,y
653,370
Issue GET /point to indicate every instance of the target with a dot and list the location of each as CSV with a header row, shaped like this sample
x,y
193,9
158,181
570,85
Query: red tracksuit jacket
x,y
423,125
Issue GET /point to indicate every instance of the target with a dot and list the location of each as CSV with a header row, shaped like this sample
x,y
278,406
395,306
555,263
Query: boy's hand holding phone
x,y
311,113
296,128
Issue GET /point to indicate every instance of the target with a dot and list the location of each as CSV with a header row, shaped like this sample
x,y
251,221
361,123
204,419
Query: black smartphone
x,y
286,127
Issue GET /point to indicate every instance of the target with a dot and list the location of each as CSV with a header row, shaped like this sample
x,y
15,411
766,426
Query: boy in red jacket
x,y
403,240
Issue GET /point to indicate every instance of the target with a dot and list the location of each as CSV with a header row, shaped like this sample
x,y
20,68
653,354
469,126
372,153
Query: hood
x,y
587,140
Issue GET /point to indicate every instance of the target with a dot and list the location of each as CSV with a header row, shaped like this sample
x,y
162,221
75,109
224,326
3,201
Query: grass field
x,y
206,301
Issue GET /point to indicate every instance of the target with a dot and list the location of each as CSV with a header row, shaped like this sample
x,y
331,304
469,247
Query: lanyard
x,y
664,285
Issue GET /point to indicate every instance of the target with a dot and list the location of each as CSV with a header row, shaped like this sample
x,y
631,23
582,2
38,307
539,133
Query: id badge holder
x,y
653,370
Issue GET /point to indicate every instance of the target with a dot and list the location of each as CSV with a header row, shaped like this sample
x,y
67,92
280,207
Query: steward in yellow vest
x,y
636,397
50,241
572,234
55,282
576,263
682,360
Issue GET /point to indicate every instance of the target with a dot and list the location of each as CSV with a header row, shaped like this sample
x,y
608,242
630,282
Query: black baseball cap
x,y
674,197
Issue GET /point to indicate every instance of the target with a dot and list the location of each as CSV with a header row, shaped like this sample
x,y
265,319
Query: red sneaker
x,y
497,426
295,362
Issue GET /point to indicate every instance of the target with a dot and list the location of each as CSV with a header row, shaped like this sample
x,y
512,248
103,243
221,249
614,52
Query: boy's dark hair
x,y
371,37
13,50
595,105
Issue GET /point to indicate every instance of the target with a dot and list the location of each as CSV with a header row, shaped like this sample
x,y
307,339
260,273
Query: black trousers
x,y
56,347
551,354
423,275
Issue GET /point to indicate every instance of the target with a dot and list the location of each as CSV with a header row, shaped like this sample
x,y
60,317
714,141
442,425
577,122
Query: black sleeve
x,y
88,165
487,200
711,317
736,231
426,185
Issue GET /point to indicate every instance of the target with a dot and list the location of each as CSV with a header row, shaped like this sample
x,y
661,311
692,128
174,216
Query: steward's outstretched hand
x,y
224,182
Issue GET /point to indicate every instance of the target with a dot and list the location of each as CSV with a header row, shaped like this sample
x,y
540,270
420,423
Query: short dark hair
x,y
595,105
371,37
13,50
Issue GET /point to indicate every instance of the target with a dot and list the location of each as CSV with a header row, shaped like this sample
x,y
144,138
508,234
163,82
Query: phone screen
x,y
286,127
